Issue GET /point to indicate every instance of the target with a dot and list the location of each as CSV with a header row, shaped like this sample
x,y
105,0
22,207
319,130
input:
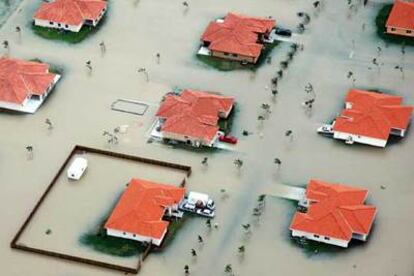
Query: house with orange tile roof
x,y
70,15
371,118
192,117
335,214
142,210
24,85
237,37
401,18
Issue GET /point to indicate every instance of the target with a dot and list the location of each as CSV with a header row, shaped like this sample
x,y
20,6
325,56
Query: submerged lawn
x,y
228,65
112,245
381,20
67,36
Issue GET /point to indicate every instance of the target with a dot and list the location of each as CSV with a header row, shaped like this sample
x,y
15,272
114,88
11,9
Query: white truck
x,y
198,203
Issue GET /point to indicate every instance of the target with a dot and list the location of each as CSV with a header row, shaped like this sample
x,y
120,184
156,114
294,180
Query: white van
x,y
77,168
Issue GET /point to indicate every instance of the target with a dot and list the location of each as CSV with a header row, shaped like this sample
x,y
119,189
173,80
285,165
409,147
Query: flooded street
x,y
134,31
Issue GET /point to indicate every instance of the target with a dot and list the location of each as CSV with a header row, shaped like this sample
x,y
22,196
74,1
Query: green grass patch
x,y
226,125
229,65
114,246
52,68
380,22
67,36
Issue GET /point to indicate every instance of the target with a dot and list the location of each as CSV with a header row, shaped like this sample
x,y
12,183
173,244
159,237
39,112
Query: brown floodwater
x,y
133,33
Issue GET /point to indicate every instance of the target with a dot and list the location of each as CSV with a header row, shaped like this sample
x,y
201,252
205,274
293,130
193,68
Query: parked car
x,y
228,139
283,32
326,130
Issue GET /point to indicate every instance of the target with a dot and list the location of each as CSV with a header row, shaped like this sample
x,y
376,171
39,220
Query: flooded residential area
x,y
297,147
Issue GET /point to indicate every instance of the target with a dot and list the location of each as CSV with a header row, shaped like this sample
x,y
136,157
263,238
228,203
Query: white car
x,y
77,168
326,129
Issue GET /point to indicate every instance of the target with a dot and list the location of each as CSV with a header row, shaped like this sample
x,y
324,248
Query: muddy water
x,y
92,200
136,31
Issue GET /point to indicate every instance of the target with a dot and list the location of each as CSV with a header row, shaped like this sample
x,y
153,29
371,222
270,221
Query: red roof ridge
x,y
335,210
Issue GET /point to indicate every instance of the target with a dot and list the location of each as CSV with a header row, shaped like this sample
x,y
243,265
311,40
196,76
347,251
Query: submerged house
x,y
70,15
237,37
192,117
335,214
24,85
401,18
370,118
139,212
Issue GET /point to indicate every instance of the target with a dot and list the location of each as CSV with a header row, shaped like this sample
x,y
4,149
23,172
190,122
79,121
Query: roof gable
x,y
373,114
237,34
194,113
402,15
72,12
19,79
141,208
338,211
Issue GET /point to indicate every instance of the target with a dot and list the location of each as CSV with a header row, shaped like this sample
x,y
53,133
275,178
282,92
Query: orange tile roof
x,y
335,211
402,15
237,34
194,113
141,208
71,12
19,79
373,114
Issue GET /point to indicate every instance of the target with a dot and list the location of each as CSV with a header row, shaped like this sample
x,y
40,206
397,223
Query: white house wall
x,y
184,138
46,23
29,105
131,236
360,139
310,236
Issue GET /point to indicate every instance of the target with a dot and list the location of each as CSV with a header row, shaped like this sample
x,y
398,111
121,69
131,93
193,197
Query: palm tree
x,y
89,65
241,249
145,72
29,150
301,28
102,46
158,56
284,64
187,270
228,268
238,163
5,44
200,239
266,107
224,194
49,123
246,227
379,51
193,252
401,69
277,161
280,73
19,33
